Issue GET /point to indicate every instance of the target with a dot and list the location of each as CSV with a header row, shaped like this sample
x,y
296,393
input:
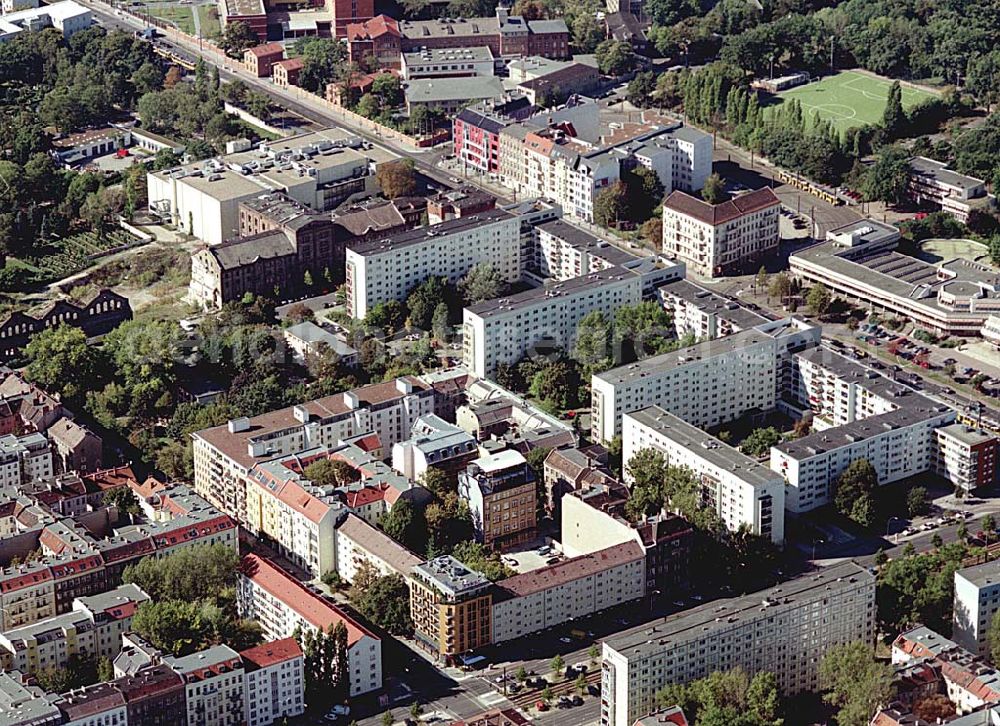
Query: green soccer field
x,y
850,98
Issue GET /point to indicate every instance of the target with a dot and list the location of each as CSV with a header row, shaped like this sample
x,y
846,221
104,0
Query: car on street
x,y
577,701
564,639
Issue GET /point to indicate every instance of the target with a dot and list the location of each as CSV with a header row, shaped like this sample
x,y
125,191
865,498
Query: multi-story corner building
x,y
501,492
24,459
274,682
785,630
451,607
93,629
27,595
966,456
502,331
721,239
22,704
360,543
378,38
319,170
154,695
859,262
437,444
224,455
213,685
703,313
282,604
742,491
706,384
977,599
100,704
932,182
568,590
388,268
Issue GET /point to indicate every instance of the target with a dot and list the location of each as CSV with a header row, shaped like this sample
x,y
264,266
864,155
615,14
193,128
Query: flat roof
x,y
420,235
245,7
561,289
705,446
451,576
476,54
939,171
582,240
660,364
655,636
575,568
714,304
433,90
967,434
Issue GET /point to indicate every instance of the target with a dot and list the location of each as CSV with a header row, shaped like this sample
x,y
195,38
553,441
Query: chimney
x,y
502,15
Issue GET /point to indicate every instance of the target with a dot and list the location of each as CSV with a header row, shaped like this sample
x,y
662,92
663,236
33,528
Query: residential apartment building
x,y
281,604
977,599
504,330
154,695
25,705
568,590
260,59
713,240
274,682
359,543
931,182
706,384
224,455
378,38
319,170
451,607
740,490
25,458
388,268
785,630
100,704
703,313
500,490
213,685
859,262
966,456
285,73
92,629
434,443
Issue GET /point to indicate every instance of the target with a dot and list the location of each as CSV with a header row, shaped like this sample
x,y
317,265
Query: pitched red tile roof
x,y
18,581
291,64
267,49
309,606
367,495
716,214
269,654
370,29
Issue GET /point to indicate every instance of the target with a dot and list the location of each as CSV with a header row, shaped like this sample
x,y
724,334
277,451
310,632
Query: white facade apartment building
x,y
505,329
977,599
281,604
705,314
561,251
898,444
966,457
213,686
274,682
67,17
739,489
568,590
224,455
721,239
24,458
705,384
785,630
387,269
681,158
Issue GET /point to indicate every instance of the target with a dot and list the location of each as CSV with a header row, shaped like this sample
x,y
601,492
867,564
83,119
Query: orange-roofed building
x,y
286,73
260,59
274,682
281,604
379,38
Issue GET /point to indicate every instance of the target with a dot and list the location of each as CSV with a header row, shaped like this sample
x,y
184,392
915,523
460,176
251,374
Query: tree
x,y
476,557
521,675
331,472
652,231
887,178
384,601
558,664
124,499
586,32
581,684
593,653
936,708
780,288
238,37
854,682
387,719
547,693
818,299
614,57
760,441
989,527
396,178
854,492
440,322
592,348
893,117
142,350
916,501
189,574
415,710
60,361
327,674
760,280
405,525
323,62
714,190
481,283
611,204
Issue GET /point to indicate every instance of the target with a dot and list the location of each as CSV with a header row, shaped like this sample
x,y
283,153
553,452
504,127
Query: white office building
x,y
785,630
390,267
739,489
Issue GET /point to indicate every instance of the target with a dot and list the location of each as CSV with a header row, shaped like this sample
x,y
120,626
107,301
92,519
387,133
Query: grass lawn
x,y
208,16
179,15
850,98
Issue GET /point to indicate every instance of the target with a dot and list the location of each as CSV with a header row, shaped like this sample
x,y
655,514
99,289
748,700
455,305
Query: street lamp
x,y
888,523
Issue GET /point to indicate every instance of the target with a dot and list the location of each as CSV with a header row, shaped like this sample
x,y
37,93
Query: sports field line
x,y
827,108
907,91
